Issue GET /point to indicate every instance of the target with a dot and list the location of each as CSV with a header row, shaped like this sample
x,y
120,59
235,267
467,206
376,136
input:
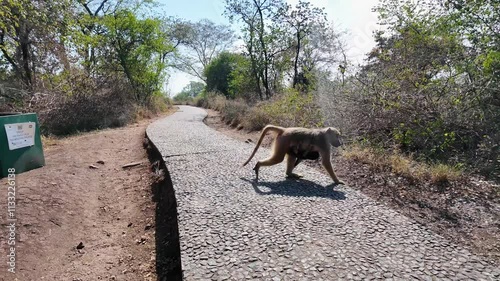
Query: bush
x,y
158,104
79,103
255,119
82,112
234,111
293,109
73,102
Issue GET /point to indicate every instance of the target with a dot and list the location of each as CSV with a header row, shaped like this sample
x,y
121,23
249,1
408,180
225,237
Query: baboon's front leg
x,y
325,160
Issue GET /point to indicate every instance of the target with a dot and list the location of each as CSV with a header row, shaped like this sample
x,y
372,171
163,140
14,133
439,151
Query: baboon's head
x,y
334,136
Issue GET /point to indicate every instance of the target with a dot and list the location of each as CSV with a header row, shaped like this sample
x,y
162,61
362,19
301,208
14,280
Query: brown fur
x,y
319,140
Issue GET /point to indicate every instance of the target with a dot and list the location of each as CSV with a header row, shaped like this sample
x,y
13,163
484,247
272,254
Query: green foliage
x,y
138,47
431,83
32,35
293,109
283,40
241,82
189,92
491,63
227,74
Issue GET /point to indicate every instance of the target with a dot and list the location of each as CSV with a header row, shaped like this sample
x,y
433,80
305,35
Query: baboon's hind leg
x,y
277,157
291,162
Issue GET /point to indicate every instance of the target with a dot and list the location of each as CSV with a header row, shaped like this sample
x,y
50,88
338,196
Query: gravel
x,y
232,228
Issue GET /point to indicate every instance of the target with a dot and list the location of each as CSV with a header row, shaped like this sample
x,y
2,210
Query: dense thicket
x,y
430,86
64,55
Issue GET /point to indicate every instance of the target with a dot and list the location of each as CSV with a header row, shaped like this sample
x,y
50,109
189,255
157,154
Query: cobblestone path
x,y
278,229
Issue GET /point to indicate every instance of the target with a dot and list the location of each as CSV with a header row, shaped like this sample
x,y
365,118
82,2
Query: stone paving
x,y
234,229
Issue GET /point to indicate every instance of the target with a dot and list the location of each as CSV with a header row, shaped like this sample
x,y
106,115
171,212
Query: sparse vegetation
x,y
401,164
289,109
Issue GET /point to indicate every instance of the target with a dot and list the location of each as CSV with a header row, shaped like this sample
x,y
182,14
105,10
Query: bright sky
x,y
354,16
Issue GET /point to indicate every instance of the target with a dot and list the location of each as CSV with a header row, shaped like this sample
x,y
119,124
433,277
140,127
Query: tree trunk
x,y
265,78
296,62
24,47
253,60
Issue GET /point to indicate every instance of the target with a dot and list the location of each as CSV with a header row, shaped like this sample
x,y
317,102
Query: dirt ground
x,y
106,209
110,210
466,212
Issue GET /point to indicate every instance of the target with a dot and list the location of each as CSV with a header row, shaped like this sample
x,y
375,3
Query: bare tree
x,y
204,40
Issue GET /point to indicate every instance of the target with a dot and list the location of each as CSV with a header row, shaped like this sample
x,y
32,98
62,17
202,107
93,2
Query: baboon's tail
x,y
266,129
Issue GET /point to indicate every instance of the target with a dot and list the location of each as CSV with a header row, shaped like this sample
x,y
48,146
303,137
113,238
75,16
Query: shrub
x,y
82,112
255,119
234,111
79,103
293,109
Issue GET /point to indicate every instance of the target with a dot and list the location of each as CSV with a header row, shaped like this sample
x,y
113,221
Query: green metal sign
x,y
20,143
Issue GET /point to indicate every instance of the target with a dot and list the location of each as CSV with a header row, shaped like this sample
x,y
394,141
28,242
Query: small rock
x,y
80,246
142,240
93,167
100,162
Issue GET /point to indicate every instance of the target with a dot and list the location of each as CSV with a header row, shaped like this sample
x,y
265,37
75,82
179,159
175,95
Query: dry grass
x,y
255,120
441,173
401,164
49,141
290,109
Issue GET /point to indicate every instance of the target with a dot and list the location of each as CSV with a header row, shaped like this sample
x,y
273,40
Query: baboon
x,y
289,139
303,152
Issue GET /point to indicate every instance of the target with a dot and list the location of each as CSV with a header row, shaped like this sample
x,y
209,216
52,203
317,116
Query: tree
x,y
139,47
303,21
32,37
204,41
115,38
429,85
190,91
256,15
193,89
225,74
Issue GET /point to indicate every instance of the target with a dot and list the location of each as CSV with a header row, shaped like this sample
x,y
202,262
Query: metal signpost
x,y
20,143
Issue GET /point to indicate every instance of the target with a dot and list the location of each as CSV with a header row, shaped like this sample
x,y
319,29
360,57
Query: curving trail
x,y
278,229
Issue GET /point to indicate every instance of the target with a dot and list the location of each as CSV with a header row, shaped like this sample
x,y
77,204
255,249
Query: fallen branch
x,y
131,165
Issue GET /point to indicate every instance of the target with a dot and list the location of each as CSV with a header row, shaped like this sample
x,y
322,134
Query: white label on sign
x,y
20,135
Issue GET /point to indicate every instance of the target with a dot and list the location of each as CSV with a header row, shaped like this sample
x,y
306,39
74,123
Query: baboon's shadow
x,y
296,188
